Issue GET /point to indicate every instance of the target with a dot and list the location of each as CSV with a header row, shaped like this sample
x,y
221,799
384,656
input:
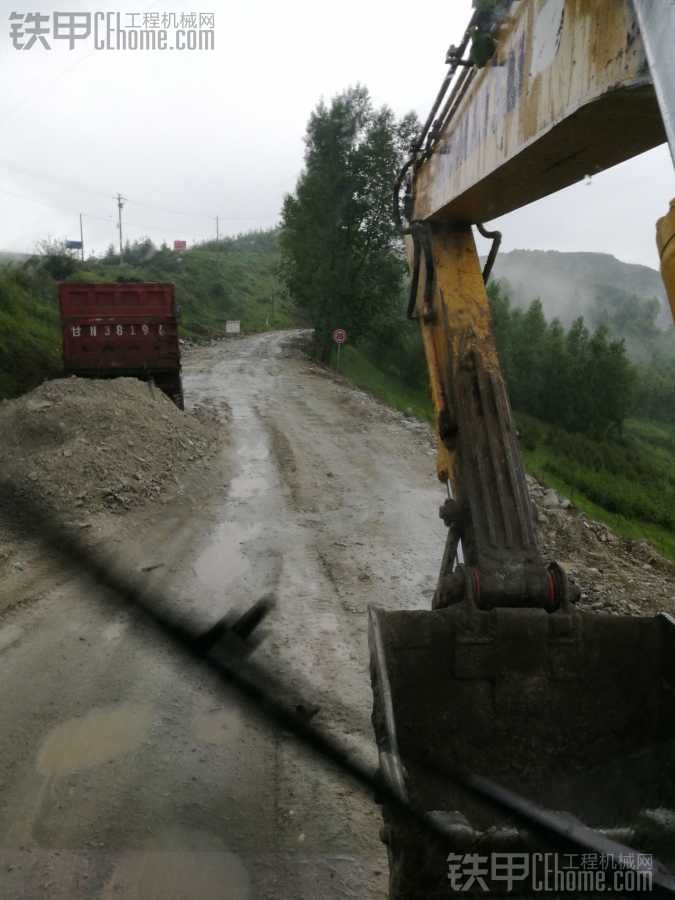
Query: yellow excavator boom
x,y
504,690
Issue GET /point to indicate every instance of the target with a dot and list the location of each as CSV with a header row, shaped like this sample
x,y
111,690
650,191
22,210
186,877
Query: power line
x,y
70,184
134,224
164,226
196,215
43,176
179,212
52,205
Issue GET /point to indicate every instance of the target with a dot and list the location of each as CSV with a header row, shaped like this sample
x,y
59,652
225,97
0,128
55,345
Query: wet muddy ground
x,y
124,774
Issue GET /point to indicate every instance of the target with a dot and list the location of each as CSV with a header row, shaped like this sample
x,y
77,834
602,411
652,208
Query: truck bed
x,y
121,329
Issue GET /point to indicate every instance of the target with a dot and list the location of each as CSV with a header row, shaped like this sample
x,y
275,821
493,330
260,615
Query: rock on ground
x,y
614,575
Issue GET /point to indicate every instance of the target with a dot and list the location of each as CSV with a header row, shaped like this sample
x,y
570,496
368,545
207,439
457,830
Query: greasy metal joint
x,y
563,589
522,587
451,513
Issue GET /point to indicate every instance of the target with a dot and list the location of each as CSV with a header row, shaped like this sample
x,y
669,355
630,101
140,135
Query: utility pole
x,y
81,240
120,204
217,228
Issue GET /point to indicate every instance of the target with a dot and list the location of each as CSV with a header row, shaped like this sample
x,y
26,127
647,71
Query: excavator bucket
x,y
572,713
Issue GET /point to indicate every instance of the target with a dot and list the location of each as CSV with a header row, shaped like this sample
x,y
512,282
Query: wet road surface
x,y
124,774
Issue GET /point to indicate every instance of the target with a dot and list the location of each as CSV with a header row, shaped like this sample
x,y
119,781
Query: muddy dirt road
x,y
124,775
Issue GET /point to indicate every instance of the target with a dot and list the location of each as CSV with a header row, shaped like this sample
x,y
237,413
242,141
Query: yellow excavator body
x,y
665,241
529,730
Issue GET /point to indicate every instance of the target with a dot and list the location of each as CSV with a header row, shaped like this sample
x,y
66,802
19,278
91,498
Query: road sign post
x,y
339,337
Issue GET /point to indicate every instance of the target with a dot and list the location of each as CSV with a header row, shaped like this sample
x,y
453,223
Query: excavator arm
x,y
479,455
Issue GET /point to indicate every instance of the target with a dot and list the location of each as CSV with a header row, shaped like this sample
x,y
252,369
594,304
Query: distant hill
x,y
566,283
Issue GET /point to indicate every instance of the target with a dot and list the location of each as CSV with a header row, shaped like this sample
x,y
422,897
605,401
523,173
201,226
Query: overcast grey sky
x,y
188,135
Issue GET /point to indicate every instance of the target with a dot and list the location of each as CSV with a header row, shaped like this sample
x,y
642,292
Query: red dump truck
x,y
122,329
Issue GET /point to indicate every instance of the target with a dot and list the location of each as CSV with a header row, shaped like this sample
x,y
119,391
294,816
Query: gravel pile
x,y
615,575
87,445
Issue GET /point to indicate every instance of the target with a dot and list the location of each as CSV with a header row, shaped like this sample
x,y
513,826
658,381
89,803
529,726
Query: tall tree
x,y
342,259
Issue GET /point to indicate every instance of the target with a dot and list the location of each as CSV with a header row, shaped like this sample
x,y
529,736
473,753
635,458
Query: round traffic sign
x,y
339,335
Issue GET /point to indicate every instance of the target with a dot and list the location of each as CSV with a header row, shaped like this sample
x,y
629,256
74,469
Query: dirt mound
x,y
86,445
615,575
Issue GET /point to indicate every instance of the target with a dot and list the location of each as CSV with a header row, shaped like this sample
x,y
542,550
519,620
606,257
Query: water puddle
x,y
243,487
253,454
198,867
218,726
93,739
222,561
115,630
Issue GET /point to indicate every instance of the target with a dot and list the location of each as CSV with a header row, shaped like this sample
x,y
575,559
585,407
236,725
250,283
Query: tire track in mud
x,y
284,457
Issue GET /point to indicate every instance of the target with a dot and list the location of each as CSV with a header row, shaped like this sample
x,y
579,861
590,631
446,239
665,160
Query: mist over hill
x,y
570,284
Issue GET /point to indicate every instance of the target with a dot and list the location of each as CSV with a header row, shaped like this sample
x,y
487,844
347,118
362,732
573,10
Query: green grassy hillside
x,y
628,483
230,279
389,388
30,345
